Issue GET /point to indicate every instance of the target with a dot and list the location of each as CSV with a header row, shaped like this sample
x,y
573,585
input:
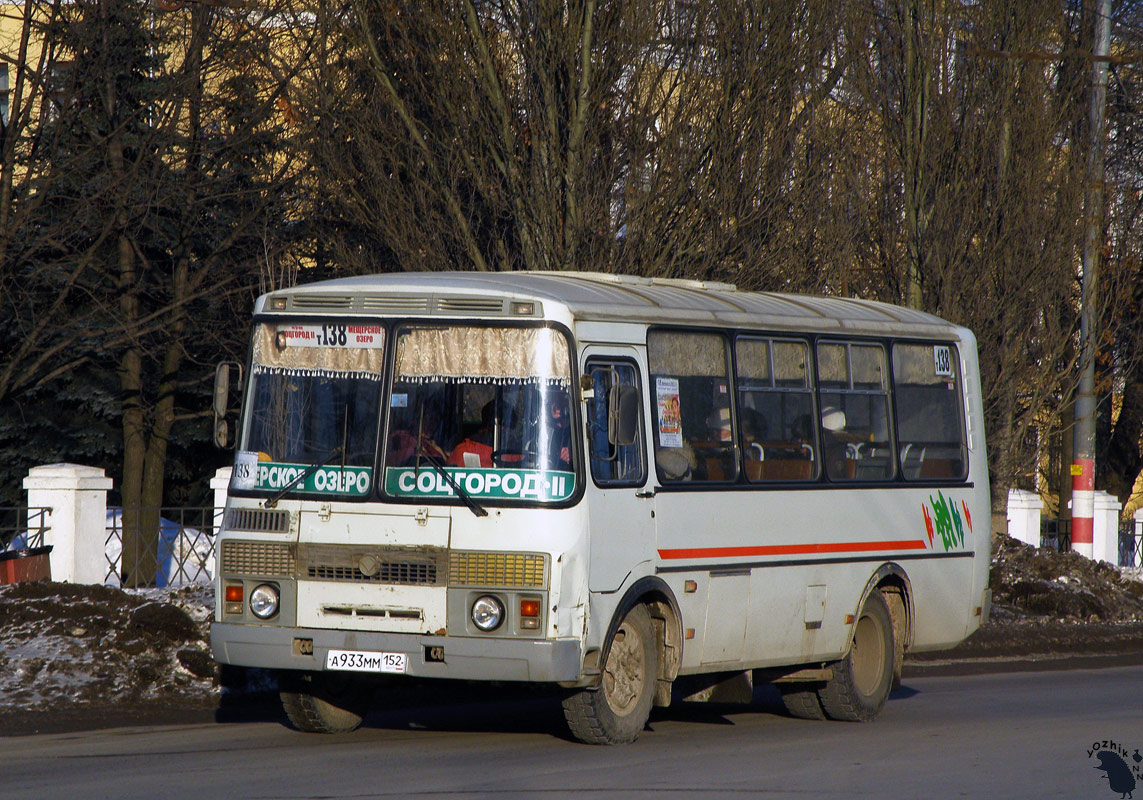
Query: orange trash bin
x,y
31,564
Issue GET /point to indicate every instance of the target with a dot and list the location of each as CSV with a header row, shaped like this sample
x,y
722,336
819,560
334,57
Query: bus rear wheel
x,y
863,679
317,703
617,711
801,700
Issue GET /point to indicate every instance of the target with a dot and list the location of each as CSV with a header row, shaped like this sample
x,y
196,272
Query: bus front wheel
x,y
317,703
863,679
617,711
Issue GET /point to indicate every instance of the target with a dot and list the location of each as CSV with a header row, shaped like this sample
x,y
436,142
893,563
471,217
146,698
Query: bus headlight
x,y
487,613
264,601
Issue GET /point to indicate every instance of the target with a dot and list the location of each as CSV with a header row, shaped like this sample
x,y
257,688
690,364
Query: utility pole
x,y
1083,443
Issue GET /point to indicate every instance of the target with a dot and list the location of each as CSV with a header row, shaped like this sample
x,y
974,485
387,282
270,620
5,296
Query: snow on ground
x,y
1037,584
71,645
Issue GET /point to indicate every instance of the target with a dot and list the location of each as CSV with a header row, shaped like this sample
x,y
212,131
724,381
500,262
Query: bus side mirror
x,y
622,415
221,401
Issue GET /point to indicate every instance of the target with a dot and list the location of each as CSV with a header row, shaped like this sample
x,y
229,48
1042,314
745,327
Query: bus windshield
x,y
313,409
483,412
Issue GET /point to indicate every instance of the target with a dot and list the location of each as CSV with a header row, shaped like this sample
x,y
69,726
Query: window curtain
x,y
483,355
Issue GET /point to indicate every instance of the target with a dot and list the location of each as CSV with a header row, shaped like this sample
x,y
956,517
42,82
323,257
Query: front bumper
x,y
467,658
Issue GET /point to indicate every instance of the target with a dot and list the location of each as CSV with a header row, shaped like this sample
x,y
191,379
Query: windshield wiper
x,y
438,466
464,496
301,476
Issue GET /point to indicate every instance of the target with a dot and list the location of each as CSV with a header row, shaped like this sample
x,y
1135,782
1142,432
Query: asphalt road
x,y
1025,735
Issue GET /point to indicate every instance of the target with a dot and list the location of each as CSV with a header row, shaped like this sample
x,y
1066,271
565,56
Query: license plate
x,y
365,661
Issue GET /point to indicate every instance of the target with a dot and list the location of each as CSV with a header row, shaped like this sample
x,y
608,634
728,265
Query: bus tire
x,y
863,679
801,700
316,703
617,710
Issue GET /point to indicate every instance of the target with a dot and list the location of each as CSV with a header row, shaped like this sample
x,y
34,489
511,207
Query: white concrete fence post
x,y
77,497
219,484
1024,516
1105,530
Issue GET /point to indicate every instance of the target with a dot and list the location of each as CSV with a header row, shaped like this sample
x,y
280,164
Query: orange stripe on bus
x,y
791,549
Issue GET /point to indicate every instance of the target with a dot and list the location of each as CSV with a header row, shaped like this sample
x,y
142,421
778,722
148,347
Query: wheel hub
x,y
623,675
866,659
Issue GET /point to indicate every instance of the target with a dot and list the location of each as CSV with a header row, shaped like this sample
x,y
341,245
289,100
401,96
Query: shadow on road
x,y
499,708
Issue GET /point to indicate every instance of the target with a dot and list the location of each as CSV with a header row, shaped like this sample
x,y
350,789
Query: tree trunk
x,y
139,552
1124,460
915,112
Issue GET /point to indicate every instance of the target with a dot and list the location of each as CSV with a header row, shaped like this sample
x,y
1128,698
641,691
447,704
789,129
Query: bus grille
x,y
401,572
523,570
385,566
257,558
262,520
394,566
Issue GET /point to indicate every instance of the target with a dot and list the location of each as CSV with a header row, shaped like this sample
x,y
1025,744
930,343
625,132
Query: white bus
x,y
624,487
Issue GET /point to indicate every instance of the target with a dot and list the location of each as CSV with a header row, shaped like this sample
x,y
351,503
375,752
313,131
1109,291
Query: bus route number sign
x,y
942,361
369,337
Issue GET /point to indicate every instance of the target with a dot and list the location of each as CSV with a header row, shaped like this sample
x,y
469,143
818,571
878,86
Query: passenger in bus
x,y
753,433
718,425
717,452
834,442
802,429
558,454
403,448
676,463
754,430
475,450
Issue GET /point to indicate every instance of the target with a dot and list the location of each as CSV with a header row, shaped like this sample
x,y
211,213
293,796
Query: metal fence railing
x,y
177,542
1056,534
1130,547
23,528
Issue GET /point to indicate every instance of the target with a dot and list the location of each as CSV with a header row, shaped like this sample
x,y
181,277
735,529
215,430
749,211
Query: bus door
x,y
620,509
701,527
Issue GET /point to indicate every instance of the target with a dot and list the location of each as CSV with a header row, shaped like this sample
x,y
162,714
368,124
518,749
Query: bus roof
x,y
594,296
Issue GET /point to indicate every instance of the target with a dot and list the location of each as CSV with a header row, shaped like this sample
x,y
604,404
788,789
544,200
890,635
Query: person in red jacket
x,y
403,443
475,450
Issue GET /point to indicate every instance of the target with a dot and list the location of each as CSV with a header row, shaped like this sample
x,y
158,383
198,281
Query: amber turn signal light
x,y
234,595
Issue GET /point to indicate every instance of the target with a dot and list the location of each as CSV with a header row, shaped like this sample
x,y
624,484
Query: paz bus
x,y
629,489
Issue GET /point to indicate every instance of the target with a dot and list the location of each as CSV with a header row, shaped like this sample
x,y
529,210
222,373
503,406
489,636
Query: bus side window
x,y
612,464
775,409
853,390
930,426
690,400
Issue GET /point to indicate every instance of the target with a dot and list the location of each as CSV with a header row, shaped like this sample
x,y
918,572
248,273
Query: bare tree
x,y
926,152
1120,365
980,115
159,167
648,137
